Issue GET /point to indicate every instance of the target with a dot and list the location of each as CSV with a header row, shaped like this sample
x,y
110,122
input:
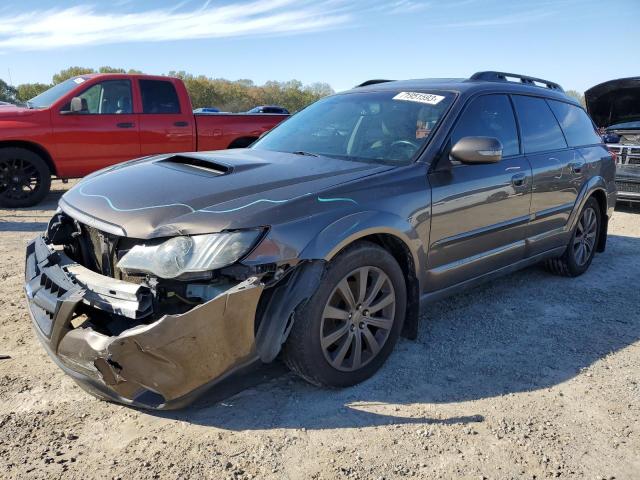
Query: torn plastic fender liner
x,y
275,323
174,355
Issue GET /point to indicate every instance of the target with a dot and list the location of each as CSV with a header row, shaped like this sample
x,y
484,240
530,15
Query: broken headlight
x,y
197,253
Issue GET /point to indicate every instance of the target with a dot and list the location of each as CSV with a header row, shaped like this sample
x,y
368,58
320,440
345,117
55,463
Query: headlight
x,y
198,253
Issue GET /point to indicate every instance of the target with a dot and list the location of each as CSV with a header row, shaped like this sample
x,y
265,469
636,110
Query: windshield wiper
x,y
308,154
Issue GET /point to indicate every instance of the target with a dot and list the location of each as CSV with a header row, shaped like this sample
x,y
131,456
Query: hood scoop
x,y
196,164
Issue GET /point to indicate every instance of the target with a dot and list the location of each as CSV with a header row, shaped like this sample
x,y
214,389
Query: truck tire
x,y
582,245
25,178
337,341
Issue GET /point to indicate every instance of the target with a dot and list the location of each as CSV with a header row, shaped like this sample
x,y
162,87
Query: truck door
x,y
164,126
103,132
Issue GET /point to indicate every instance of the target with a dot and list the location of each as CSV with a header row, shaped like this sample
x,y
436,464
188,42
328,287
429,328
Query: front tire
x,y
349,327
582,245
25,178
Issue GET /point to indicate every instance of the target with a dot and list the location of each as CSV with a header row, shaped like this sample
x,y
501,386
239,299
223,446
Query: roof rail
x,y
490,76
372,82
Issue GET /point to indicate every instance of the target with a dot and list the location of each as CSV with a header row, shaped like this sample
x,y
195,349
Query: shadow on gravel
x,y
524,332
22,226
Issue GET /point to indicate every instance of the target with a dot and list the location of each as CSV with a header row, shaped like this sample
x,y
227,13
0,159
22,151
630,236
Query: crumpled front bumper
x,y
163,364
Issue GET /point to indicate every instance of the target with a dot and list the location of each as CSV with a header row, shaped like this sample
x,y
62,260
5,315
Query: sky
x,y
577,43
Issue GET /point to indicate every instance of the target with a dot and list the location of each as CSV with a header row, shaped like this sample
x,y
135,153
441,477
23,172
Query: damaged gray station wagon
x,y
158,278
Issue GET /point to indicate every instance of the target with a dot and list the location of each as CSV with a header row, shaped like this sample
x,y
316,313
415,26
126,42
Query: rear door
x,y
479,212
104,132
164,127
558,172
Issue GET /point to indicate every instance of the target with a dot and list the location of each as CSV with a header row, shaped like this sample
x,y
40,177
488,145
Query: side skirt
x,y
431,297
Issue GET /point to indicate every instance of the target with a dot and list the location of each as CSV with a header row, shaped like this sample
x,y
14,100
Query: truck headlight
x,y
197,253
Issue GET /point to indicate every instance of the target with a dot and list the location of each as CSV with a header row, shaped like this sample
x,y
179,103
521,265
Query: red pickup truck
x,y
92,121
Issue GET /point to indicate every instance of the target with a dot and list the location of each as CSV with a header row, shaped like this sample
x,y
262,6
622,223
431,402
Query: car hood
x,y
614,102
209,192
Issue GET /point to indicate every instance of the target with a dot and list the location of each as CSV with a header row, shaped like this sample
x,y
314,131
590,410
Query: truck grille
x,y
626,154
628,187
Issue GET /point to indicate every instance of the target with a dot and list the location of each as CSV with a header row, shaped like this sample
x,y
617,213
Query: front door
x,y
479,212
104,132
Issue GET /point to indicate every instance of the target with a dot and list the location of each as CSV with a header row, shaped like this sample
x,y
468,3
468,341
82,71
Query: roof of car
x,y
471,85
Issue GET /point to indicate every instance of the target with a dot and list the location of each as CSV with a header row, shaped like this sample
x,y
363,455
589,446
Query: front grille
x,y
100,248
626,154
628,187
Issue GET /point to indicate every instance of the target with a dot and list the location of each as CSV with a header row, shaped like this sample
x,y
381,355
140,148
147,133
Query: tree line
x,y
227,95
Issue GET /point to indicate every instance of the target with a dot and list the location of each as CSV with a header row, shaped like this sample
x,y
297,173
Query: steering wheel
x,y
407,143
407,146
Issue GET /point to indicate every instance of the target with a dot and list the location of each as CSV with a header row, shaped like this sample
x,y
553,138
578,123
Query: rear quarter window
x,y
575,123
540,129
159,96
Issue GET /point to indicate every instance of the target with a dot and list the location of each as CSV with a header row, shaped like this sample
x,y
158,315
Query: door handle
x,y
519,180
180,124
576,167
125,125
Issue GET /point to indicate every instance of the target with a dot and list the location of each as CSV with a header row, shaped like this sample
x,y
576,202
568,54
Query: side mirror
x,y
76,105
474,150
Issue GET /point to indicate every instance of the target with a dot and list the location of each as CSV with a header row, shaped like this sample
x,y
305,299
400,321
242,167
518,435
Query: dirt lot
x,y
532,376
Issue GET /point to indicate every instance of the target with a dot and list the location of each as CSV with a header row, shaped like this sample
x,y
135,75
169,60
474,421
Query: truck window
x,y
540,129
111,97
159,96
575,123
489,116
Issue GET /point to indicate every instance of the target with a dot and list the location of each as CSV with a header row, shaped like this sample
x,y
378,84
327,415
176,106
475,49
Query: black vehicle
x,y
269,109
158,278
615,108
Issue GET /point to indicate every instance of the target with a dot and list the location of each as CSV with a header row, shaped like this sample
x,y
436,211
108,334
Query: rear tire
x,y
25,178
337,341
582,245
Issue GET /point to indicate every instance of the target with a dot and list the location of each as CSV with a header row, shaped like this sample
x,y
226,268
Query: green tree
x,y
108,69
577,95
27,91
7,92
71,72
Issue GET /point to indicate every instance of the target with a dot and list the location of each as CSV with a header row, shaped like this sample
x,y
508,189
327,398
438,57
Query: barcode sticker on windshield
x,y
78,80
428,98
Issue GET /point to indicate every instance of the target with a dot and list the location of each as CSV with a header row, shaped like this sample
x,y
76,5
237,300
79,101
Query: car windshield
x,y
46,98
382,126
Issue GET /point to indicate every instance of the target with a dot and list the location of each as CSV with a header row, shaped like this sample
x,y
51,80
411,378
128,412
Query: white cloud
x,y
87,25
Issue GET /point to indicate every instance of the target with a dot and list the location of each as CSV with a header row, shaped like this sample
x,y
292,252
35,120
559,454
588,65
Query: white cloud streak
x,y
86,25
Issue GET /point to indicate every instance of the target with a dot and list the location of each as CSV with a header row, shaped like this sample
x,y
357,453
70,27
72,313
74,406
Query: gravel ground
x,y
531,376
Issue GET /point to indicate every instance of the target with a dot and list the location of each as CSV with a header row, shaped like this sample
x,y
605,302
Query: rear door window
x,y
539,127
575,123
489,116
159,96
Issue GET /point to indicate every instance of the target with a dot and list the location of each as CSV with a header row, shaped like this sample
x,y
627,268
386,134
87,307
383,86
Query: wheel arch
x,y
33,147
242,142
389,232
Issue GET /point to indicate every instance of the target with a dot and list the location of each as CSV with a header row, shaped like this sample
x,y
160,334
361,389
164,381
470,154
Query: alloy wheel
x,y
584,241
19,179
357,318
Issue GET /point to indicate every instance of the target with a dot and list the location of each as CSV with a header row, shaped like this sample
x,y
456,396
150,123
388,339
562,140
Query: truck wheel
x,y
25,178
582,245
348,328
